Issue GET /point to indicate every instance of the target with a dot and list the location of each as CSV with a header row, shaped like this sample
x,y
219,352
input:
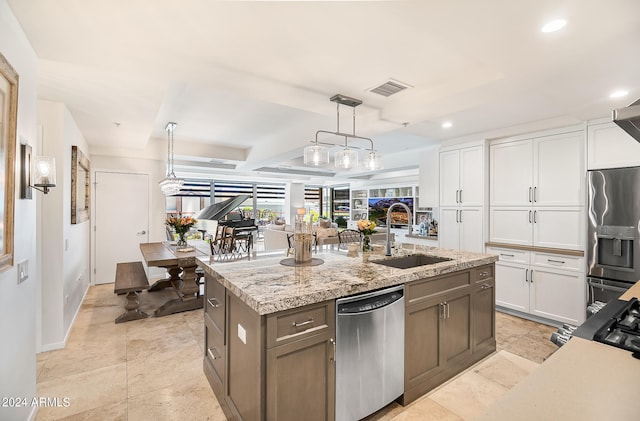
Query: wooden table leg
x,y
174,275
186,288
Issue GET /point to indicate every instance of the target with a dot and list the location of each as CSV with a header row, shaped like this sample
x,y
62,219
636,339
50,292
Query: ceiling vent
x,y
389,88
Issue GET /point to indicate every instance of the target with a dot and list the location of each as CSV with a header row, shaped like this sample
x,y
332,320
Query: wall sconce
x,y
37,172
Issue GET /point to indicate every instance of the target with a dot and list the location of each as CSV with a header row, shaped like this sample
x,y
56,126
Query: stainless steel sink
x,y
411,261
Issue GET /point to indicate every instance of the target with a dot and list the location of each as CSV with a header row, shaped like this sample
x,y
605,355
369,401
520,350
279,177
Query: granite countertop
x,y
583,380
268,287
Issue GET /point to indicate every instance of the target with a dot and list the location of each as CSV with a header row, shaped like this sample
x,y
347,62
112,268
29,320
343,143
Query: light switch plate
x,y
23,271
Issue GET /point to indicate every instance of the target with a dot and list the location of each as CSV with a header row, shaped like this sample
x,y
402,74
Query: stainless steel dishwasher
x,y
369,352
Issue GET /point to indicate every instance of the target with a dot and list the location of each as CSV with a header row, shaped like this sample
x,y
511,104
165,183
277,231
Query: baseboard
x,y
528,316
60,345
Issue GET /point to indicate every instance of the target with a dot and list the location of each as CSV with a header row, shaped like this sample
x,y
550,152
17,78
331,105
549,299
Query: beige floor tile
x,y
155,372
521,362
426,409
153,343
86,390
502,370
112,412
385,414
469,395
81,357
192,400
531,348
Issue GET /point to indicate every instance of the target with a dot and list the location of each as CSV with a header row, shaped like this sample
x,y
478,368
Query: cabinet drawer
x,y
510,255
214,350
298,323
484,273
214,303
558,261
420,290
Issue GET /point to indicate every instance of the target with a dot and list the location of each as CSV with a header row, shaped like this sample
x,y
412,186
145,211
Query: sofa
x,y
275,235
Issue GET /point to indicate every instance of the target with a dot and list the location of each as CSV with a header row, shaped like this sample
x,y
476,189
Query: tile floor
x,y
151,369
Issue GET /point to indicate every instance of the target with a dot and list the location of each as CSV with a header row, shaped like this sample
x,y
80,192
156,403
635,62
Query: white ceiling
x,y
249,82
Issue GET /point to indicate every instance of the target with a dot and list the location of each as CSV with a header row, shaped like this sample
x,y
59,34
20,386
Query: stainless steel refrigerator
x,y
613,252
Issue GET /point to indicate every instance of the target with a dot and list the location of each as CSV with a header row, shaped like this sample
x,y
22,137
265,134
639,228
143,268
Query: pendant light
x,y
171,184
348,157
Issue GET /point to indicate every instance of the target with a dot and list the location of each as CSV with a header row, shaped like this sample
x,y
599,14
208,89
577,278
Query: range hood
x,y
628,118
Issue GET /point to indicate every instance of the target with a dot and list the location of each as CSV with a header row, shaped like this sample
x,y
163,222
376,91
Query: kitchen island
x,y
270,328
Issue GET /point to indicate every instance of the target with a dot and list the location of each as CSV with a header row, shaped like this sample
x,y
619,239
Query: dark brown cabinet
x,y
449,325
484,315
274,367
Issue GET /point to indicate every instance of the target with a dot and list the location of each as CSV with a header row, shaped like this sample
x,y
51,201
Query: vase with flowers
x,y
366,228
181,225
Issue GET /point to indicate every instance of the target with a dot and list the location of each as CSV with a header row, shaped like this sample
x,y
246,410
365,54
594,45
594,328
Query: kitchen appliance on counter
x,y
369,352
613,251
618,324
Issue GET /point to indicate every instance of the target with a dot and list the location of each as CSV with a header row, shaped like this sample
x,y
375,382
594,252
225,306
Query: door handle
x,y
529,216
460,215
213,355
530,195
531,278
535,212
535,194
460,196
447,304
441,310
333,342
142,232
526,275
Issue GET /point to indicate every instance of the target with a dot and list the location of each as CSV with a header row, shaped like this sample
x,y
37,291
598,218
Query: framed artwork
x,y
8,131
80,186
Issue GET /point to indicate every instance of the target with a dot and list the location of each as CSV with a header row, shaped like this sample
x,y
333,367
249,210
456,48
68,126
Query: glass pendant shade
x,y
316,155
373,161
346,159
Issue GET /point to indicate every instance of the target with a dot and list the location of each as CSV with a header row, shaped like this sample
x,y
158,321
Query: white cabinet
x,y
546,285
462,176
608,146
537,191
359,205
553,227
544,171
462,198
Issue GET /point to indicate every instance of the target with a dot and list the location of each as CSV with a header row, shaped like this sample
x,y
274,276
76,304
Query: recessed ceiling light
x,y
554,25
618,94
446,125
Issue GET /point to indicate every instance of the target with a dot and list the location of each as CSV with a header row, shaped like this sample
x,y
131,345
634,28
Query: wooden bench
x,y
131,279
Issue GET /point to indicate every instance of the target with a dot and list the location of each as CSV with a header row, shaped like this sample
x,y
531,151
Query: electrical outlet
x,y
23,271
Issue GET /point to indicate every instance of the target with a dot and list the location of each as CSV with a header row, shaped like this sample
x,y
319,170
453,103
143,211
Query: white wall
x,y
18,302
65,247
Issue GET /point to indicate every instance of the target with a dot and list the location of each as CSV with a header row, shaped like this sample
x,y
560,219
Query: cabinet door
x,y
484,314
559,169
449,228
511,225
512,287
562,228
449,178
511,174
472,176
558,295
422,358
456,338
301,380
471,229
611,147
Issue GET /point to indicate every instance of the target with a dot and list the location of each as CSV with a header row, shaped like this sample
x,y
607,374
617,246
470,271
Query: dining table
x,y
181,267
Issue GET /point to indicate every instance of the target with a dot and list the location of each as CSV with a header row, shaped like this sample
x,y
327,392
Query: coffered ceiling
x,y
249,82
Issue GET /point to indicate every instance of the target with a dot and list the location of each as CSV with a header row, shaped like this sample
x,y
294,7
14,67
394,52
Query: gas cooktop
x,y
622,329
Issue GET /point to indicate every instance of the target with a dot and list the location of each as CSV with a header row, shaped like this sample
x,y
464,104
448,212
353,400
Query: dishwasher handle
x,y
371,303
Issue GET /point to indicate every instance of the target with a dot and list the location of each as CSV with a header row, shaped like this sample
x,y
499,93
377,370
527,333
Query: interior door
x,y
121,221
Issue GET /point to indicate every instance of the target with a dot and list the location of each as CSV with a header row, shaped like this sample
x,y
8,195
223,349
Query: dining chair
x,y
348,236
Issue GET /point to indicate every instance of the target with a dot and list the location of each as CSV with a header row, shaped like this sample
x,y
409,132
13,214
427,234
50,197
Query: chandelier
x,y
171,184
348,157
